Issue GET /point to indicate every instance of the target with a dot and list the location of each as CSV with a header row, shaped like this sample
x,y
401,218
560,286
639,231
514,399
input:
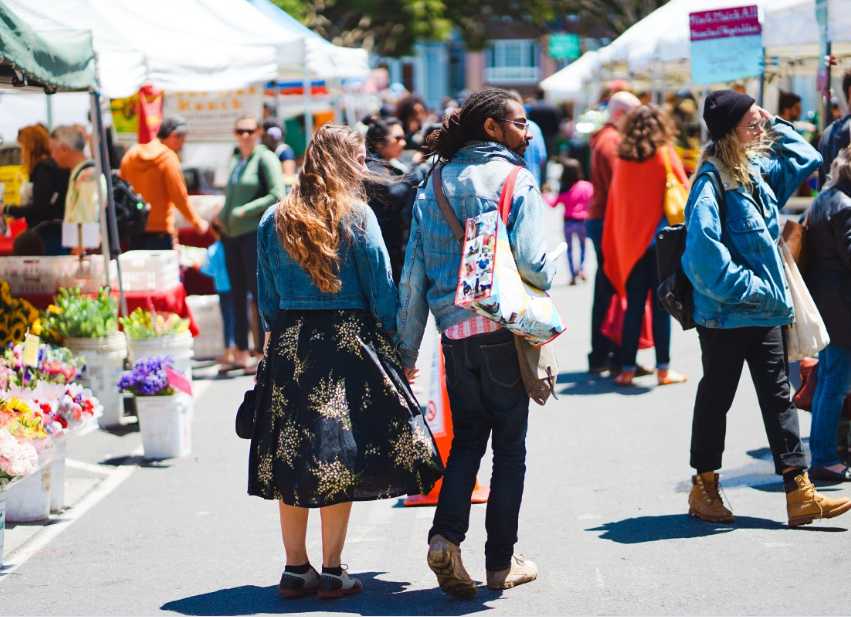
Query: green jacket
x,y
251,191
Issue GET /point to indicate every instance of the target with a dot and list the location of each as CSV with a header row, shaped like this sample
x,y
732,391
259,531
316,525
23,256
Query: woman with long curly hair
x,y
43,199
634,214
337,422
753,164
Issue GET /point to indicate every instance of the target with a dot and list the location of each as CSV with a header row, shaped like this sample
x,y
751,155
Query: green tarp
x,y
62,60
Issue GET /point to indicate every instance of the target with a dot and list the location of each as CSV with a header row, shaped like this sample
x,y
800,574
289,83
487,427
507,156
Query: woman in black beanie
x,y
753,164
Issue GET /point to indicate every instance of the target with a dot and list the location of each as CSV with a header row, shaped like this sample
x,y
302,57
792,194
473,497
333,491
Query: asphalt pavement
x,y
604,516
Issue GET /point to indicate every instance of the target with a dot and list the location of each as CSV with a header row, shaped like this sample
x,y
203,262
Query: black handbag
x,y
675,292
246,414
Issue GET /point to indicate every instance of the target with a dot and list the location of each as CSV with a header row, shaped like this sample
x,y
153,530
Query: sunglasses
x,y
244,131
755,127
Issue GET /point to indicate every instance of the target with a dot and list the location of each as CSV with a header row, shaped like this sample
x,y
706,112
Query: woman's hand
x,y
411,374
767,116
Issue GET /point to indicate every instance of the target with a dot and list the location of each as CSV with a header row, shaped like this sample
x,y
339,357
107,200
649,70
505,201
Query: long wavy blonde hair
x,y
736,156
35,145
311,220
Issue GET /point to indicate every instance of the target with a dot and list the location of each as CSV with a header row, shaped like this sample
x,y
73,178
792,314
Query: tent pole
x,y
49,110
761,96
109,240
308,114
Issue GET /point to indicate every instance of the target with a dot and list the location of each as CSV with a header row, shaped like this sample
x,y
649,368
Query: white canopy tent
x,y
571,81
173,45
191,44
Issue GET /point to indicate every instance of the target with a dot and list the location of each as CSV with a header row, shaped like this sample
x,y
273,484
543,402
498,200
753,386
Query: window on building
x,y
512,61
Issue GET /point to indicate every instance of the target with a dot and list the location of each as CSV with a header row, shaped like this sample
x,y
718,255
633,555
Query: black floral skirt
x,y
338,421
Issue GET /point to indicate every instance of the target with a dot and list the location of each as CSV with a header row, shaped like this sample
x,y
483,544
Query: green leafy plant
x,y
73,314
142,324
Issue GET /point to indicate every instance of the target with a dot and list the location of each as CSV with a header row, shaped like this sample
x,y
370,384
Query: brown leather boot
x,y
444,559
704,501
805,504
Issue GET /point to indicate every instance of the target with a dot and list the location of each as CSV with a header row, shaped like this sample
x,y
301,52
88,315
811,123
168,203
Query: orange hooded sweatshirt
x,y
153,170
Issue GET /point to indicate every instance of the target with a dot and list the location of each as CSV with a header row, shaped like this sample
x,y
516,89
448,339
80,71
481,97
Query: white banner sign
x,y
211,115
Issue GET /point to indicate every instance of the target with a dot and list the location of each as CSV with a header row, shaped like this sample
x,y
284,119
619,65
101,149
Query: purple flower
x,y
148,377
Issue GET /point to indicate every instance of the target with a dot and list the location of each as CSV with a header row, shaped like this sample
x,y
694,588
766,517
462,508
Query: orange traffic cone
x,y
439,417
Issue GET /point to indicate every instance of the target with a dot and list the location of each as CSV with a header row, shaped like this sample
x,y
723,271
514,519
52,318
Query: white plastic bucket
x,y
28,500
166,425
177,346
57,474
2,524
104,364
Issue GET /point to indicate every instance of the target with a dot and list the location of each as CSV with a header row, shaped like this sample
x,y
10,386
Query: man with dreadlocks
x,y
476,148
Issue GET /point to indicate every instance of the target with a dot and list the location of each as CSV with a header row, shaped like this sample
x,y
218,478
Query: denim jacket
x,y
737,272
472,182
367,282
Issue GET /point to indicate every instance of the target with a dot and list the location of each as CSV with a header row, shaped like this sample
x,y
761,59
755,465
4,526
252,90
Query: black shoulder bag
x,y
675,292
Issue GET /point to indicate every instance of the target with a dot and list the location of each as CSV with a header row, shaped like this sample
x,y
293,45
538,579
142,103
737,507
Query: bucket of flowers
x,y
88,326
165,413
28,498
18,459
151,333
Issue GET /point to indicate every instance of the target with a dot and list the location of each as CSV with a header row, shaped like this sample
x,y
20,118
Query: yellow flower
x,y
35,327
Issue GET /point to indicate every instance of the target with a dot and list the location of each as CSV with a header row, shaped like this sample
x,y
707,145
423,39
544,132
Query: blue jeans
x,y
575,229
488,399
643,279
228,318
834,378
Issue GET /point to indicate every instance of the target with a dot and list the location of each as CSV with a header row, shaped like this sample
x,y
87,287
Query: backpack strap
x,y
445,208
83,167
506,197
718,184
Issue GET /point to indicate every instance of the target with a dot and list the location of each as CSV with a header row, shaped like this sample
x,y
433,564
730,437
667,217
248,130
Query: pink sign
x,y
725,23
178,381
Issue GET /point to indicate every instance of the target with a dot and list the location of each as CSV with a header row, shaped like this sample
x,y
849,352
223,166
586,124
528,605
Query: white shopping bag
x,y
807,333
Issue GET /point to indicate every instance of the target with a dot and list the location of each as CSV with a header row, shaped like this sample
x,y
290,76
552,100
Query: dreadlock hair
x,y
467,124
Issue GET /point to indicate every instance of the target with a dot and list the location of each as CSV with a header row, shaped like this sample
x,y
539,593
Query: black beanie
x,y
723,110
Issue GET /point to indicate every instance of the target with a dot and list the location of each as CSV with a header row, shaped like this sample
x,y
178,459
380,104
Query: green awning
x,y
56,61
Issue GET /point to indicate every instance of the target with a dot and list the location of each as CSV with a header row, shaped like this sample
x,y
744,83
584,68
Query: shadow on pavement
x,y
642,529
380,597
582,383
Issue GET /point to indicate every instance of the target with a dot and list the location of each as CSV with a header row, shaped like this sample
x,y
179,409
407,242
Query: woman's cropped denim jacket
x,y
367,282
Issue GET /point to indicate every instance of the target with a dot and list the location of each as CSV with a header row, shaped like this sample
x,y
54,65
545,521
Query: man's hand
x,y
202,227
411,374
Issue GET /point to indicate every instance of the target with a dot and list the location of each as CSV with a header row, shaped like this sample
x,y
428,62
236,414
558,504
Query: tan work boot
x,y
805,504
520,571
444,559
704,501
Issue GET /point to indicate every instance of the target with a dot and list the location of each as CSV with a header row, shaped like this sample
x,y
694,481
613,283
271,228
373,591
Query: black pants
x,y
601,346
487,399
644,279
724,352
241,261
153,241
